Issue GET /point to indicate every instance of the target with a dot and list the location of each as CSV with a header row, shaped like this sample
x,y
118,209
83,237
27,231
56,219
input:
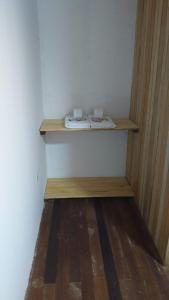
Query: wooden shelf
x,y
88,187
58,126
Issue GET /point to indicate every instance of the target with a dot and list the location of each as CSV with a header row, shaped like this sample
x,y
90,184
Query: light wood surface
x,y
52,125
148,151
88,187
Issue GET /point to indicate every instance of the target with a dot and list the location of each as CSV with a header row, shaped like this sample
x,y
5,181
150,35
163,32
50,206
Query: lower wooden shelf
x,y
88,187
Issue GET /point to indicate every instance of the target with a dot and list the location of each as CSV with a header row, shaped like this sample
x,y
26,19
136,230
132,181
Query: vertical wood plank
x,y
148,163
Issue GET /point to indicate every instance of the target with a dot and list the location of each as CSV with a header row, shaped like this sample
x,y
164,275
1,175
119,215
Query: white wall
x,y
86,52
22,155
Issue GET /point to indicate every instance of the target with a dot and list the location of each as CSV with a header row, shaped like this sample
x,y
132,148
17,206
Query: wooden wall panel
x,y
148,150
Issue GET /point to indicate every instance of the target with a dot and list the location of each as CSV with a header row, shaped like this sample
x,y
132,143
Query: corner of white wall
x,y
22,159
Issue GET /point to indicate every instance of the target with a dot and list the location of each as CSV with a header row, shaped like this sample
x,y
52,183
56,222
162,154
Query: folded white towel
x,y
71,122
89,122
106,122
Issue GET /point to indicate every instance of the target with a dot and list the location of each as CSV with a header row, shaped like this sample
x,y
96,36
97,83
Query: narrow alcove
x,y
100,195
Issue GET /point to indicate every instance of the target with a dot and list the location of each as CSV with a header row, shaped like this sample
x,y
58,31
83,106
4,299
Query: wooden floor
x,y
95,250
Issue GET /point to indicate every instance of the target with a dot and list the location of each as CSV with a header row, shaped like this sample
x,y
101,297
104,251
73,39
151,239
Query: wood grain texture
x,y
148,150
36,288
88,187
108,260
99,280
52,253
132,259
96,239
52,125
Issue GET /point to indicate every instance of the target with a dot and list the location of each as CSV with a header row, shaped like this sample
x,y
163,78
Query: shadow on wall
x,y
131,224
86,154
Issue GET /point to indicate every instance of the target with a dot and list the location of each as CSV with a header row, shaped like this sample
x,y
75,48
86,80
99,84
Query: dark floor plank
x,y
52,253
140,229
75,291
115,220
99,278
36,283
62,279
49,292
117,241
74,241
109,265
78,256
153,260
85,255
139,257
66,286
